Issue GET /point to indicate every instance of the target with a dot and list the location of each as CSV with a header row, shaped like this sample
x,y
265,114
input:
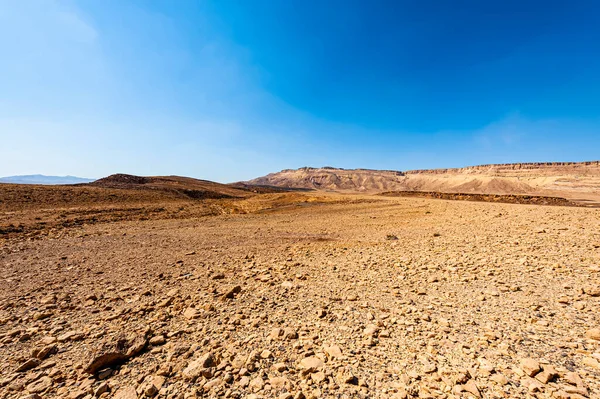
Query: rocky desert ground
x,y
109,291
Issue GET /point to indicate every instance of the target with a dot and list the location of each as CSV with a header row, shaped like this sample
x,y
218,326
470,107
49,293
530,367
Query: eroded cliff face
x,y
333,179
541,168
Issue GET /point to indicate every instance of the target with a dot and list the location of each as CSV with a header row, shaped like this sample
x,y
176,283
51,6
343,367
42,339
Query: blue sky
x,y
230,90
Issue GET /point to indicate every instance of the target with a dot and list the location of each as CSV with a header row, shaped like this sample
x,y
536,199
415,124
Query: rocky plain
x,y
298,295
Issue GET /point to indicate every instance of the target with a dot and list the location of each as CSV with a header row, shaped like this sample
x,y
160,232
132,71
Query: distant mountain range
x,y
41,179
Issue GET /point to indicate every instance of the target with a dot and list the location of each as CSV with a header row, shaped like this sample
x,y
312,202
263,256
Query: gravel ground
x,y
360,298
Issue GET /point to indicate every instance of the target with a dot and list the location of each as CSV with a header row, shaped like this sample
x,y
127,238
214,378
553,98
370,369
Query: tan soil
x,y
298,295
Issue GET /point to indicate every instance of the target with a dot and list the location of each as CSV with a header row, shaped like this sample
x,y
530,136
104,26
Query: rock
x,y
78,394
48,340
70,336
573,379
534,386
280,367
105,373
591,362
158,382
371,330
214,383
275,333
191,314
429,368
232,292
40,385
472,388
44,352
115,351
157,340
126,393
195,368
287,285
334,351
592,290
547,374
499,379
346,377
102,388
530,367
28,365
593,333
290,333
279,383
318,377
256,384
311,363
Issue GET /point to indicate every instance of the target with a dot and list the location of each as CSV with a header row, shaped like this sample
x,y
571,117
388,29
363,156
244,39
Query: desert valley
x,y
481,282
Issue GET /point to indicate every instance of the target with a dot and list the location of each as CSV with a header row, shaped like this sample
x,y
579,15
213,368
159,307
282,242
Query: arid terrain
x,y
172,288
577,181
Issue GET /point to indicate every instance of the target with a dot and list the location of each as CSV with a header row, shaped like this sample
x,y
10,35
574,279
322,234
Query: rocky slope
x,y
570,180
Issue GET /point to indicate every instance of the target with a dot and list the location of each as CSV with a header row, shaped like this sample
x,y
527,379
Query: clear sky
x,y
233,89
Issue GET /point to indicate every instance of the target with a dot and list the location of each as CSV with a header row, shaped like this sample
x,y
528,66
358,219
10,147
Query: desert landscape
x,y
482,282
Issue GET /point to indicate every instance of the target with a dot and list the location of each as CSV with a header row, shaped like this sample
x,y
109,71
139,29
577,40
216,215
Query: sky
x,y
232,90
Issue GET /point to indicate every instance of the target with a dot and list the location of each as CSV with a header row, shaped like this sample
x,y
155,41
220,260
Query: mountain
x,y
41,179
564,179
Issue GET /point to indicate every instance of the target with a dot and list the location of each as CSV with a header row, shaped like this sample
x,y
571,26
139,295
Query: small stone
x,y
311,363
472,388
114,352
334,351
429,368
157,340
591,362
28,365
592,290
280,367
275,333
78,394
318,377
290,333
191,314
102,388
45,351
499,379
233,292
530,366
70,336
105,373
40,385
266,354
126,393
547,375
573,378
371,330
196,367
593,333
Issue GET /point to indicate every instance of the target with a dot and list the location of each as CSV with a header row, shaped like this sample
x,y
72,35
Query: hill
x,y
575,180
45,180
185,187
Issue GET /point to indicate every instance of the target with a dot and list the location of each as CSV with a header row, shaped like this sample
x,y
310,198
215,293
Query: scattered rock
x,y
115,351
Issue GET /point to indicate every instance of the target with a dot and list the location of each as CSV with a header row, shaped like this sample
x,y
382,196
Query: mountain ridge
x,y
564,179
44,179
